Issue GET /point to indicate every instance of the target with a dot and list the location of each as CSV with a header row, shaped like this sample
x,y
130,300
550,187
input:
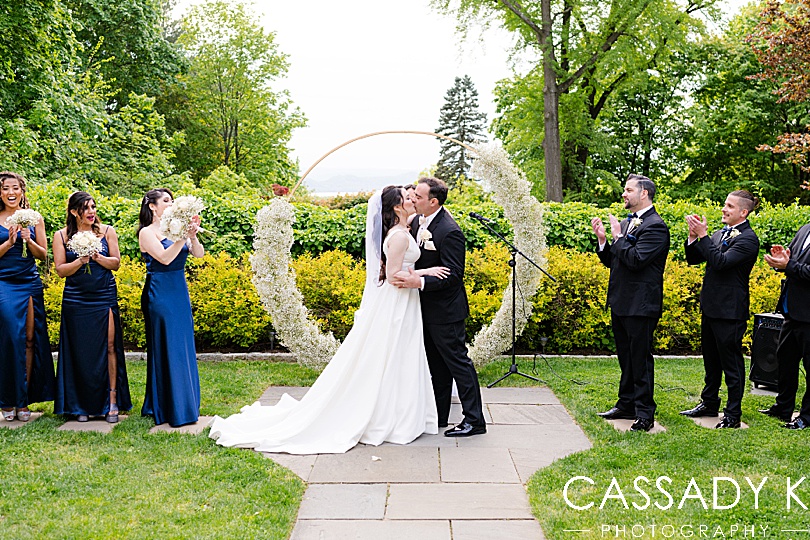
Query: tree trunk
x,y
551,112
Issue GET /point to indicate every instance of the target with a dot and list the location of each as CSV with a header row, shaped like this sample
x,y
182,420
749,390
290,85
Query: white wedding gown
x,y
375,389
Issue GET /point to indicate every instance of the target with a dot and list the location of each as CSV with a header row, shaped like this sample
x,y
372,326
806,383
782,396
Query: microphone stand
x,y
513,369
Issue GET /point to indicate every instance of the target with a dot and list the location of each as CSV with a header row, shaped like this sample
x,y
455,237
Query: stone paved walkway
x,y
437,488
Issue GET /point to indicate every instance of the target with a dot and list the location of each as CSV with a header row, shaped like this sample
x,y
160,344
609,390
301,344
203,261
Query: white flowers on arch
x,y
275,280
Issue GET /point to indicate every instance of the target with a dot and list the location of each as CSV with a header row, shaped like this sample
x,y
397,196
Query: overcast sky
x,y
361,66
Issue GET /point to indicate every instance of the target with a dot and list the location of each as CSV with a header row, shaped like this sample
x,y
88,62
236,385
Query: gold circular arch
x,y
366,136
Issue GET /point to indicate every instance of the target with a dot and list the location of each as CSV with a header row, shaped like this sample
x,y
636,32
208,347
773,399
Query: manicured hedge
x,y
571,313
231,213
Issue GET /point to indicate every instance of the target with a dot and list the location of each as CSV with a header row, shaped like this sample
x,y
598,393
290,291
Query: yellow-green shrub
x,y
571,311
53,287
332,285
130,278
486,275
227,310
679,327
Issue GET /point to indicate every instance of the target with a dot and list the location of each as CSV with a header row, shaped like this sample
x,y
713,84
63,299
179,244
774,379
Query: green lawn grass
x,y
130,484
684,452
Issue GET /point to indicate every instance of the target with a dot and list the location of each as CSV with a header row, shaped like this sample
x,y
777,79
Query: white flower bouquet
x,y
176,220
25,218
85,244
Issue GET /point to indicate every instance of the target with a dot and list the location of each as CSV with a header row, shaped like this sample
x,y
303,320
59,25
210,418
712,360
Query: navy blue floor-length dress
x,y
19,282
82,375
172,381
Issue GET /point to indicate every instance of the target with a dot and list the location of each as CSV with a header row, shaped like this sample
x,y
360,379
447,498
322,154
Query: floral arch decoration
x,y
275,280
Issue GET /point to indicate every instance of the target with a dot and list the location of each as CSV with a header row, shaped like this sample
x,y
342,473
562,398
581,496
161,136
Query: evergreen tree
x,y
461,120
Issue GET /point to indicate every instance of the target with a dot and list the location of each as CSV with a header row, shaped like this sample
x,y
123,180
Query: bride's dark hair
x,y
391,197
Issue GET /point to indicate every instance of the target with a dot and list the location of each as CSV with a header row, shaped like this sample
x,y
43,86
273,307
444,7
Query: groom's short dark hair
x,y
438,189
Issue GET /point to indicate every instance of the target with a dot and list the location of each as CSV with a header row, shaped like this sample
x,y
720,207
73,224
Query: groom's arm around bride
x,y
444,307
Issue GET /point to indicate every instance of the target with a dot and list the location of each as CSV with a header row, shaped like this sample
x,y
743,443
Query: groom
x,y
444,307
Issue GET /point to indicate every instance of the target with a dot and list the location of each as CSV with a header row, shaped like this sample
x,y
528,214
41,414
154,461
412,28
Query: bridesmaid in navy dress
x,y
172,382
26,365
91,376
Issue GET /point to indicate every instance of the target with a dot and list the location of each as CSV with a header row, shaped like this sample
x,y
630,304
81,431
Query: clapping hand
x,y
599,229
778,257
698,228
12,234
615,226
194,227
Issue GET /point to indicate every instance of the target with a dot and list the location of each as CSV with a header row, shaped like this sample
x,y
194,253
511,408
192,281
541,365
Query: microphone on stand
x,y
479,217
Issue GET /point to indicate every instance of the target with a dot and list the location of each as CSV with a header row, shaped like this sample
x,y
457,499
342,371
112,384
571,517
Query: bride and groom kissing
x,y
391,379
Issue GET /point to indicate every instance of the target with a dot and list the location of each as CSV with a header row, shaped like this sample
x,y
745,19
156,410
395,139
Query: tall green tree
x,y
782,44
590,47
644,123
732,114
226,103
461,120
126,39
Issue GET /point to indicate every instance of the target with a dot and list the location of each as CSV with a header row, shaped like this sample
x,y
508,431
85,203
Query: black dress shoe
x,y
617,414
465,430
700,410
728,422
797,423
777,414
642,424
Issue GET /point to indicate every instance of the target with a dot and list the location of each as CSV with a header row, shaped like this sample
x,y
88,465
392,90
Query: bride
x,y
377,387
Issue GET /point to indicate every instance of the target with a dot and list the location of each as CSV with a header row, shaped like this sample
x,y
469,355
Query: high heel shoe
x,y
112,414
8,416
23,415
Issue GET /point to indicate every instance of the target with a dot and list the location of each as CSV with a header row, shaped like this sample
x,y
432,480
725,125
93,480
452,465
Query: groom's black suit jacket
x,y
443,300
636,285
724,294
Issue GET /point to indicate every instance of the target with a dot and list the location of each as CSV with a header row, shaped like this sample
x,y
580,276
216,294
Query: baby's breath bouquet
x,y
85,244
25,218
176,219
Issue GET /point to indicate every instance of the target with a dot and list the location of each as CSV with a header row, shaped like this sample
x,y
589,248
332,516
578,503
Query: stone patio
x,y
437,487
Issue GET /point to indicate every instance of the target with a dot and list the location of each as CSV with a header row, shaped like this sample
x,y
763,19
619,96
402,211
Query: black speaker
x,y
764,368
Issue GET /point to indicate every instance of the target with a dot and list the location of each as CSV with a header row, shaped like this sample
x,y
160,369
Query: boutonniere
x,y
634,223
733,234
425,240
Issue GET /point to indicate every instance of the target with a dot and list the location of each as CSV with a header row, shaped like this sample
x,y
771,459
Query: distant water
x,y
342,182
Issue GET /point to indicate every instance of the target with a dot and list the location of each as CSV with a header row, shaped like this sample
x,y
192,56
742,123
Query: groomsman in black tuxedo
x,y
444,307
636,257
730,254
794,339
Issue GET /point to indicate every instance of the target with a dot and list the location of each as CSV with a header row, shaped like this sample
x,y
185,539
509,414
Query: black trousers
x,y
634,336
794,347
448,360
721,340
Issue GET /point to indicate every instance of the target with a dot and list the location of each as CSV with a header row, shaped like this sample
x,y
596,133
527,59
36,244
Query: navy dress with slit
x,y
82,375
20,283
172,381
